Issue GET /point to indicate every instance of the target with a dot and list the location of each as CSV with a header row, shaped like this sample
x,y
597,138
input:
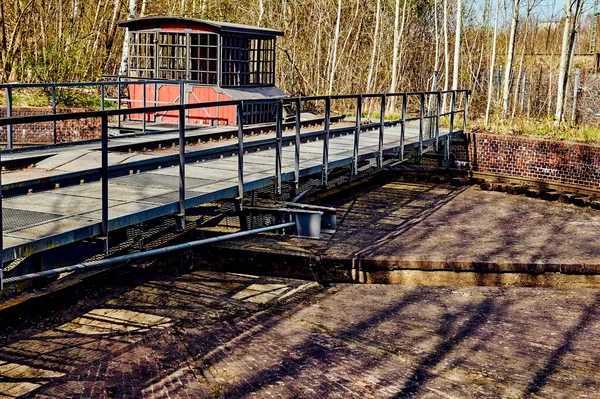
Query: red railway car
x,y
218,61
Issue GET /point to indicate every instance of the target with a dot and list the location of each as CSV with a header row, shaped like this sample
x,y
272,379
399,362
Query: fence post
x,y
9,128
465,111
182,165
119,100
102,95
575,92
437,121
381,128
54,112
403,125
240,123
357,135
105,180
421,122
1,234
297,149
278,144
452,109
324,168
145,115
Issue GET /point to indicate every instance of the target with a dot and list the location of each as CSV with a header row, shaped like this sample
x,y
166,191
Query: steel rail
x,y
140,255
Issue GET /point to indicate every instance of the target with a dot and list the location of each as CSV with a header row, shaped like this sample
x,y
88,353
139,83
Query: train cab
x,y
204,61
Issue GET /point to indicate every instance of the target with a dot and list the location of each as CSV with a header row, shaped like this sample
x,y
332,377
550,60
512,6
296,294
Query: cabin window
x,y
142,54
248,61
172,56
204,57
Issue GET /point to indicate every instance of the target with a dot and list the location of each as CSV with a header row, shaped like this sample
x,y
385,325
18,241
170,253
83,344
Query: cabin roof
x,y
221,27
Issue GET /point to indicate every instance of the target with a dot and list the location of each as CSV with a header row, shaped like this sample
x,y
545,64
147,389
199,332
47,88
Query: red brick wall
x,y
41,133
538,159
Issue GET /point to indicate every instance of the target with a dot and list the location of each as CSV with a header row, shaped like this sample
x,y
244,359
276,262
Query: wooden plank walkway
x,y
35,222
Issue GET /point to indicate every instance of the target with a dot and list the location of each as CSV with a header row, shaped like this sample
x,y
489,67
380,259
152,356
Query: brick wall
x,y
550,161
41,133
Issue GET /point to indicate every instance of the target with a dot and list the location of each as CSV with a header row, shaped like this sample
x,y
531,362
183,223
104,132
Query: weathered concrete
x,y
206,335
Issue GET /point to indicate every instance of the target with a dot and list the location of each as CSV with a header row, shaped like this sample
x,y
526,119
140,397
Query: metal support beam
x,y
438,107
182,165
240,131
357,136
325,166
278,145
297,148
381,129
9,109
54,112
104,120
403,125
465,112
421,122
141,255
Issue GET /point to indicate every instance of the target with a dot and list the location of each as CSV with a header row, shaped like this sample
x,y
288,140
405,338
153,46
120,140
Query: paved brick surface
x,y
415,224
205,335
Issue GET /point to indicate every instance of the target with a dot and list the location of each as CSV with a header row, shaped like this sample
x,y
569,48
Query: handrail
x,y
432,136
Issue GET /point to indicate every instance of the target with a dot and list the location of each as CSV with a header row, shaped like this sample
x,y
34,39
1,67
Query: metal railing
x,y
279,140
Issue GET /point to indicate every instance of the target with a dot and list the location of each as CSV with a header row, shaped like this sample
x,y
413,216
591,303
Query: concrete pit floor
x,y
182,333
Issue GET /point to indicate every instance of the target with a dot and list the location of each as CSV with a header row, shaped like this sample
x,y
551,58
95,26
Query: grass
x,y
540,128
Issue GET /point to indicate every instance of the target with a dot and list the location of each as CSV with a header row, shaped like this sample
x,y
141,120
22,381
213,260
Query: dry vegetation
x,y
329,46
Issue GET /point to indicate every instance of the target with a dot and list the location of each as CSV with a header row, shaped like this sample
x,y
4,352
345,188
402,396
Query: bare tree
x,y
457,45
492,65
573,12
398,31
374,48
509,58
125,53
335,46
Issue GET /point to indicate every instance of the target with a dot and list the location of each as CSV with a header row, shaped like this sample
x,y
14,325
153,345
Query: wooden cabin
x,y
218,61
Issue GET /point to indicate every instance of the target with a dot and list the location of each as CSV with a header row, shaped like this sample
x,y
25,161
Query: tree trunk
x,y
374,49
457,44
395,63
446,55
492,65
123,69
509,58
336,40
566,55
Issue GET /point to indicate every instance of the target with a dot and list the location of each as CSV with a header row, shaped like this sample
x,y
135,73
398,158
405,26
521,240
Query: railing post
x,y
452,109
297,147
357,135
119,100
438,107
403,125
105,180
325,166
451,127
279,144
466,109
381,129
54,112
9,128
145,115
182,166
240,123
1,234
102,95
421,123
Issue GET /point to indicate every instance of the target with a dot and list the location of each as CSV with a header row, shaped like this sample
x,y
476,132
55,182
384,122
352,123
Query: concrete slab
x,y
92,160
117,192
60,159
52,202
54,228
